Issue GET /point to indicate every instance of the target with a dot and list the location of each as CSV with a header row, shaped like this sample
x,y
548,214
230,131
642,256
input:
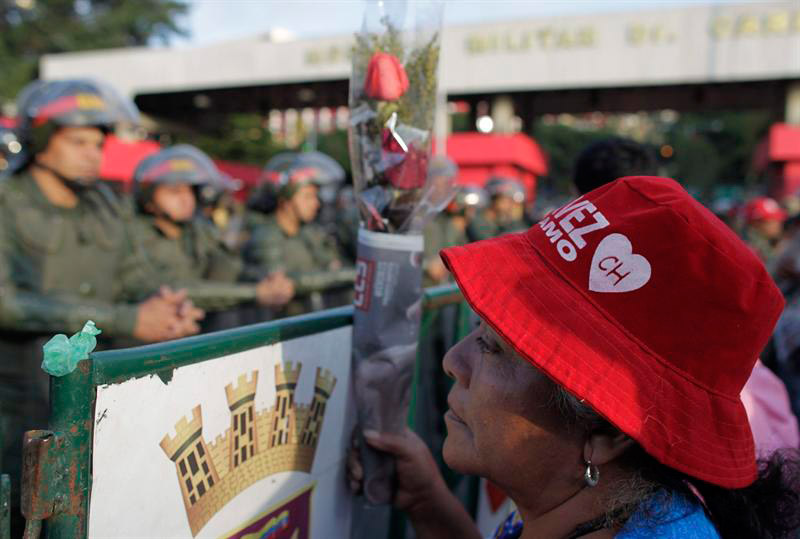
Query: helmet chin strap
x,y
76,185
158,213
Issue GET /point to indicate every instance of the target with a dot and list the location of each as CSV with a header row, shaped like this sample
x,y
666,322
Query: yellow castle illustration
x,y
257,444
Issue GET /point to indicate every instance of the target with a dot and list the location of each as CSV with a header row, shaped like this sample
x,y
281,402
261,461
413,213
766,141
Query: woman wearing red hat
x,y
764,219
601,390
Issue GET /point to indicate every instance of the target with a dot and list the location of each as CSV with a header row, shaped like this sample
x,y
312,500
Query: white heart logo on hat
x,y
615,268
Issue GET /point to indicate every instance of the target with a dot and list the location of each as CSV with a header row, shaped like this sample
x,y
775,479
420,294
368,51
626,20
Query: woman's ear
x,y
602,447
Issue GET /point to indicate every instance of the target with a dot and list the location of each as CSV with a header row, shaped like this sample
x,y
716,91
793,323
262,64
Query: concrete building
x,y
698,57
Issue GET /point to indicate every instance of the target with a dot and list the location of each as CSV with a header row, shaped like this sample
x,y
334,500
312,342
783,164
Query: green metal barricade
x,y
57,474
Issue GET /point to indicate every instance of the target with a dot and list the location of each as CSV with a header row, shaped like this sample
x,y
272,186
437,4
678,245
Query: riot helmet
x,y
182,164
442,166
44,107
471,196
12,154
286,172
503,186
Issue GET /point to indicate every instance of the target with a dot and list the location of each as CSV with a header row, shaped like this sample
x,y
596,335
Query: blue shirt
x,y
661,517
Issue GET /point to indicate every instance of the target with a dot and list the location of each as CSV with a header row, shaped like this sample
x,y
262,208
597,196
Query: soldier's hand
x,y
188,314
157,319
436,270
189,311
275,290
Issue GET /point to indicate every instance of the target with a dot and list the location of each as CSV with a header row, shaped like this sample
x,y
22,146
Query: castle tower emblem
x,y
257,444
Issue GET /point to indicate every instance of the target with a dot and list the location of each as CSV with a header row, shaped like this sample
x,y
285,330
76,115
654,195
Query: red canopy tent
x,y
120,157
249,175
480,156
782,151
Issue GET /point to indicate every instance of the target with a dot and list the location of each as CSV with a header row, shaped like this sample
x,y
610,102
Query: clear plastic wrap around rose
x,y
392,104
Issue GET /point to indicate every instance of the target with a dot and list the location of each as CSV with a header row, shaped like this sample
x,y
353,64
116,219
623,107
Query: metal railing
x,y
57,463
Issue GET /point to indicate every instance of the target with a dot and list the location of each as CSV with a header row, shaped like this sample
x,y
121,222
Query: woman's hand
x,y
418,477
421,490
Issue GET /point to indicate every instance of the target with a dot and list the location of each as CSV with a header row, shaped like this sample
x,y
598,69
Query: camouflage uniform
x,y
58,265
486,224
762,246
197,261
482,227
517,225
439,234
58,269
308,258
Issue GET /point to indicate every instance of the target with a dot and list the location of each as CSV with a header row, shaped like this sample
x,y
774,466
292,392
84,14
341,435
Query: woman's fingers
x,y
387,441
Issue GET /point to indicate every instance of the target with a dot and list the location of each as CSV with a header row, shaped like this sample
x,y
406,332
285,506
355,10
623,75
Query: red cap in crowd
x,y
763,209
639,300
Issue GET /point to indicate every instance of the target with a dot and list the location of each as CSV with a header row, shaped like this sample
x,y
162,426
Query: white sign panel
x,y
250,445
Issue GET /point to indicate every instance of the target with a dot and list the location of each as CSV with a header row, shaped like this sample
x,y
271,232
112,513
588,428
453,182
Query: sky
x,y
212,21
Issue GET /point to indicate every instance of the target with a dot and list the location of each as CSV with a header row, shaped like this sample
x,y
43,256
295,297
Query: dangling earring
x,y
592,474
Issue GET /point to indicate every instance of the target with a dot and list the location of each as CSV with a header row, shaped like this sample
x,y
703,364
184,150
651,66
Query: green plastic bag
x,y
61,355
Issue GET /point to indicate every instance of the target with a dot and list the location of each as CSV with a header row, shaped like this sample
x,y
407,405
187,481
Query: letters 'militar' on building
x,y
257,444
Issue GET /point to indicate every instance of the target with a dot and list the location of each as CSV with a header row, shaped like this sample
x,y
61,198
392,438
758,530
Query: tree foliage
x,y
708,149
240,137
32,28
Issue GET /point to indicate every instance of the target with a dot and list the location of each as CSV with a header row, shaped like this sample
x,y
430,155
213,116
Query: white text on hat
x,y
576,210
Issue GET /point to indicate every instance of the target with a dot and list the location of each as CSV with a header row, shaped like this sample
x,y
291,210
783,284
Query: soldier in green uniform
x,y
505,213
63,242
764,226
217,202
10,149
287,239
347,223
450,229
183,248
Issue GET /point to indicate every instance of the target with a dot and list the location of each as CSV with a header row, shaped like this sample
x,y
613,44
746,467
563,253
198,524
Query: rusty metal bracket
x,y
45,480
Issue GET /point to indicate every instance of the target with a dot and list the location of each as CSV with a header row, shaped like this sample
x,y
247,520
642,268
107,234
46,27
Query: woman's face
x,y
503,423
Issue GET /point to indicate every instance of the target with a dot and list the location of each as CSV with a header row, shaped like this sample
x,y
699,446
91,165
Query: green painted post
x,y
72,399
5,507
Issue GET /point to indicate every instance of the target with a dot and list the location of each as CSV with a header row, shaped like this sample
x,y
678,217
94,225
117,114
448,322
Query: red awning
x,y
486,150
784,142
480,156
248,174
121,157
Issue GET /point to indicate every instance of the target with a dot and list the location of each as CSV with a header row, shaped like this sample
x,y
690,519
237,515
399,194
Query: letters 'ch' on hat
x,y
639,300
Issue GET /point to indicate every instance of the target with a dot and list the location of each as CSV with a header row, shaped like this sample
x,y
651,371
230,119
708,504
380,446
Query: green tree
x,y
31,28
713,148
240,137
562,144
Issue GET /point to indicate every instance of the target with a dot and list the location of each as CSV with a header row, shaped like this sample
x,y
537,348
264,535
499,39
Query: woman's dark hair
x,y
768,509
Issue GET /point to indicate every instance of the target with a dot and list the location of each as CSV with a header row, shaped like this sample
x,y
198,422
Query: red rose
x,y
386,79
411,172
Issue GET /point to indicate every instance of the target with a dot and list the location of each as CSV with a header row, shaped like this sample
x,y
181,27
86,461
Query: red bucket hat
x,y
639,300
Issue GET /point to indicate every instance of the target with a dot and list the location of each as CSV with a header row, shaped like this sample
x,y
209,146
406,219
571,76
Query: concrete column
x,y
503,114
441,123
792,114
